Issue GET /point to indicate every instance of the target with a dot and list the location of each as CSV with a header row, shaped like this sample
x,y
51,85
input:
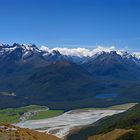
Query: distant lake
x,y
106,95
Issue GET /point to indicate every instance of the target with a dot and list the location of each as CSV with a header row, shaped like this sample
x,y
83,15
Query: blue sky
x,y
71,22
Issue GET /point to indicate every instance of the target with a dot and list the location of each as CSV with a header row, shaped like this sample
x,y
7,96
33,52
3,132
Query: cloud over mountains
x,y
81,52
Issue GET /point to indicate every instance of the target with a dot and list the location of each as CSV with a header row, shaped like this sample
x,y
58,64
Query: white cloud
x,y
44,48
136,54
80,51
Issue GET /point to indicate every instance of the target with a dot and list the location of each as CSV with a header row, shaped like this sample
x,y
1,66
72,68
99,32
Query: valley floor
x,y
55,122
61,126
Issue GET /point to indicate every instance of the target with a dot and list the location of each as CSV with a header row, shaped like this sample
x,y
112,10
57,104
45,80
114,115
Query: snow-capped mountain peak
x,y
76,55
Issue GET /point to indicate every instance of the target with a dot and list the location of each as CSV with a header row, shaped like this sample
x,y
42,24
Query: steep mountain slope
x,y
111,64
56,86
127,122
20,58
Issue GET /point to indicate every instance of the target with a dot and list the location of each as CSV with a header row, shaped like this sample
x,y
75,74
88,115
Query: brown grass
x,y
8,133
112,135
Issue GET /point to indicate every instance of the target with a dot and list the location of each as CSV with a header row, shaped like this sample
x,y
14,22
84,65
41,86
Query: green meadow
x,y
12,115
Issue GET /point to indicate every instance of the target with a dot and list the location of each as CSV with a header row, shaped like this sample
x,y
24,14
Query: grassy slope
x,y
127,120
112,135
14,133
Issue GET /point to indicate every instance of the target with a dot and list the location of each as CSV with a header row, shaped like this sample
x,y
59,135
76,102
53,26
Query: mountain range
x,y
67,78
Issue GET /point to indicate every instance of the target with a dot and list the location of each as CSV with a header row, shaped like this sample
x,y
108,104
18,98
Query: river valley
x,y
60,126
